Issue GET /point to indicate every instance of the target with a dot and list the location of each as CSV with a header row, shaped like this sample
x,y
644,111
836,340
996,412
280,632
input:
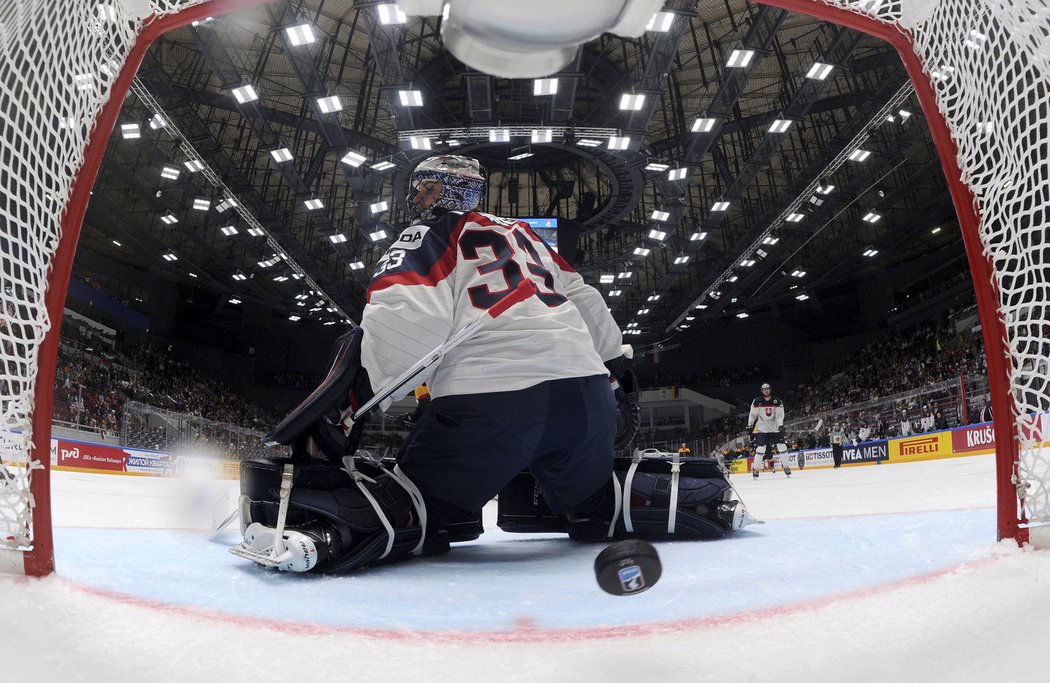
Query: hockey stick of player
x,y
223,524
522,292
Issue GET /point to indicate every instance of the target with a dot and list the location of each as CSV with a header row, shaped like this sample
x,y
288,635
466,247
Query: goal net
x,y
980,69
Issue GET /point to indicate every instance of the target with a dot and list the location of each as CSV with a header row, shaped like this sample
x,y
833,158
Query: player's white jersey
x,y
441,274
767,414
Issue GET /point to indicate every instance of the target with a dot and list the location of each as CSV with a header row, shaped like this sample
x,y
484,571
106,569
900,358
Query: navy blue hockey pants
x,y
466,449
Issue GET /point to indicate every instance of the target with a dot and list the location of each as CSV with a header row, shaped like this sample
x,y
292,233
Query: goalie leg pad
x,y
704,507
337,525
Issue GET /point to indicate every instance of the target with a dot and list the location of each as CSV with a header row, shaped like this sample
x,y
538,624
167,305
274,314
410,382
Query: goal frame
x,y
40,560
1009,511
1010,514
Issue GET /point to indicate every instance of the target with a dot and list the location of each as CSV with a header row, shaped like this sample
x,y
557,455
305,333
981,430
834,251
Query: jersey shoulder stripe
x,y
423,254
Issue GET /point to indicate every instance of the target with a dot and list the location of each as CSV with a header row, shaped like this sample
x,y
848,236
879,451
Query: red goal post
x,y
981,72
65,68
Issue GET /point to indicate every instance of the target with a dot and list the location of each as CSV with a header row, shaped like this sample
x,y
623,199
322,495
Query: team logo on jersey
x,y
411,237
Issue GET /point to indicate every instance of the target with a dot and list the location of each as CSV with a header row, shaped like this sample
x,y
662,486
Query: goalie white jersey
x,y
441,274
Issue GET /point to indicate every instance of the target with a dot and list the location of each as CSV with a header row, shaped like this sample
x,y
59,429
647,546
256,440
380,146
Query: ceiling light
x,y
382,166
117,243
720,206
226,204
661,21
377,235
657,235
619,143
130,131
391,14
698,236
157,122
615,292
229,230
657,166
870,251
641,251
625,275
742,315
201,204
313,204
256,232
378,207
542,135
677,173
355,265
680,260
169,172
632,102
302,34
239,276
825,188
410,98
733,278
170,257
169,219
871,217
780,126
935,230
202,22
353,158
606,278
329,104
520,156
588,142
545,86
704,125
193,165
798,273
643,311
294,318
192,274
499,135
819,71
281,278
795,217
700,307
659,215
748,262
740,58
419,142
859,155
281,155
904,114
233,300
802,296
770,240
83,81
245,93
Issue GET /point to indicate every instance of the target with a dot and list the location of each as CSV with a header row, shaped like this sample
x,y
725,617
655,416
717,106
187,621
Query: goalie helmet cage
x,y
980,71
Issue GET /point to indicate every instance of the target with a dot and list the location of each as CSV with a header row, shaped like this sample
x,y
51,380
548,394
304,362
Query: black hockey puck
x,y
627,567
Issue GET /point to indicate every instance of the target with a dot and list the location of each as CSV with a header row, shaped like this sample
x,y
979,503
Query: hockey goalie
x,y
530,404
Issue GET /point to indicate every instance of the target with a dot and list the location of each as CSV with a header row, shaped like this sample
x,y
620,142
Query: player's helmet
x,y
462,184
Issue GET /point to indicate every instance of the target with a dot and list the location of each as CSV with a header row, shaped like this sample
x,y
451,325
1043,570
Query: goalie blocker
x,y
344,517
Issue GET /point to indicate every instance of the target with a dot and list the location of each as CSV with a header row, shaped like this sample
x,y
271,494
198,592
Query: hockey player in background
x,y
765,424
535,389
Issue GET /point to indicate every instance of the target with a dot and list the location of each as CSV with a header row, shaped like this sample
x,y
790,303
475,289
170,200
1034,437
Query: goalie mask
x,y
455,183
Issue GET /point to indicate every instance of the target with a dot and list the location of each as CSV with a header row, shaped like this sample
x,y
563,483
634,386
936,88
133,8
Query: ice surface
x,y
866,573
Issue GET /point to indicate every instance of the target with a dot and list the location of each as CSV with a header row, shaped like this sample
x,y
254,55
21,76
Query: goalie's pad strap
x,y
420,505
618,502
627,484
359,479
672,512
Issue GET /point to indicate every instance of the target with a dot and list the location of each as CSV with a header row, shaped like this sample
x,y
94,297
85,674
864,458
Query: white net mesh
x,y
988,61
989,64
58,61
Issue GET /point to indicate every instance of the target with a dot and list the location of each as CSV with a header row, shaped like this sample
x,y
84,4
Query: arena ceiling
x,y
719,205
